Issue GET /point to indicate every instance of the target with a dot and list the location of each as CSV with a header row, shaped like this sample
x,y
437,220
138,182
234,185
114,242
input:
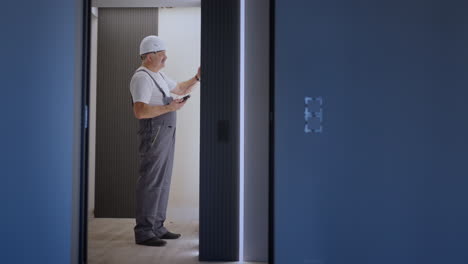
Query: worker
x,y
155,109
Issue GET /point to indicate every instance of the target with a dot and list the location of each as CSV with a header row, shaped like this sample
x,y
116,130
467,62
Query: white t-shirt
x,y
143,88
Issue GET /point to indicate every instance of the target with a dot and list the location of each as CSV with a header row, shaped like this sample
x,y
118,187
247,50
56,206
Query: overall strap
x,y
157,85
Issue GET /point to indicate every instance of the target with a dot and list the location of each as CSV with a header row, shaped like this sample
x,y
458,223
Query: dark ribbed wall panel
x,y
120,31
219,140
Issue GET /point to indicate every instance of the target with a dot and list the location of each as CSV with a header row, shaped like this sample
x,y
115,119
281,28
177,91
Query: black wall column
x,y
219,137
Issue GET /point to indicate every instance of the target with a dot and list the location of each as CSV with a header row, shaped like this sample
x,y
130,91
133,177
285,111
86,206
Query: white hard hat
x,y
151,44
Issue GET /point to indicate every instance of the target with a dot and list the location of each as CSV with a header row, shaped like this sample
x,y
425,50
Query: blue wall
x,y
386,182
37,70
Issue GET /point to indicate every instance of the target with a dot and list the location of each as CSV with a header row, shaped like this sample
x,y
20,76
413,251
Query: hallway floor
x,y
111,241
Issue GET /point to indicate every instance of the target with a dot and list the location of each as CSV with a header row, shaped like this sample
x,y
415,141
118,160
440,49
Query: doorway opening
x,y
112,169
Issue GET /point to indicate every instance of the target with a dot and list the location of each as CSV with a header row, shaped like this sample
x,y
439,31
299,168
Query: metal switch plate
x,y
313,114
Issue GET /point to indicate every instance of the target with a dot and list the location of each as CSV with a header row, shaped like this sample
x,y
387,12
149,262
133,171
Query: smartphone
x,y
185,98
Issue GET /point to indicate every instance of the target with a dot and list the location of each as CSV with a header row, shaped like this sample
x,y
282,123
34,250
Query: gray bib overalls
x,y
156,140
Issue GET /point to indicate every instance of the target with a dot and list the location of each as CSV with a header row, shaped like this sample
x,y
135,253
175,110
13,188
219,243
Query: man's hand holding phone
x,y
176,104
185,98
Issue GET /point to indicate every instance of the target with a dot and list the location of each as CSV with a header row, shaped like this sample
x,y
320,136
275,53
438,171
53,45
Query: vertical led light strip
x,y
241,140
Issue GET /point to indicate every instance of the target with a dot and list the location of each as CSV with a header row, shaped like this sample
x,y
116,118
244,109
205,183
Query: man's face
x,y
159,58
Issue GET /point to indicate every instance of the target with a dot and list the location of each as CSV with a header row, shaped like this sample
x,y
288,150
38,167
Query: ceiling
x,y
146,3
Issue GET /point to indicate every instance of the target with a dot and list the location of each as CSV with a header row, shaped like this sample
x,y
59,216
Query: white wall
x,y
180,29
92,113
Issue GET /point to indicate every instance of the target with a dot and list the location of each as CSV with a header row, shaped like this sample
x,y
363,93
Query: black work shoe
x,y
153,242
170,235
